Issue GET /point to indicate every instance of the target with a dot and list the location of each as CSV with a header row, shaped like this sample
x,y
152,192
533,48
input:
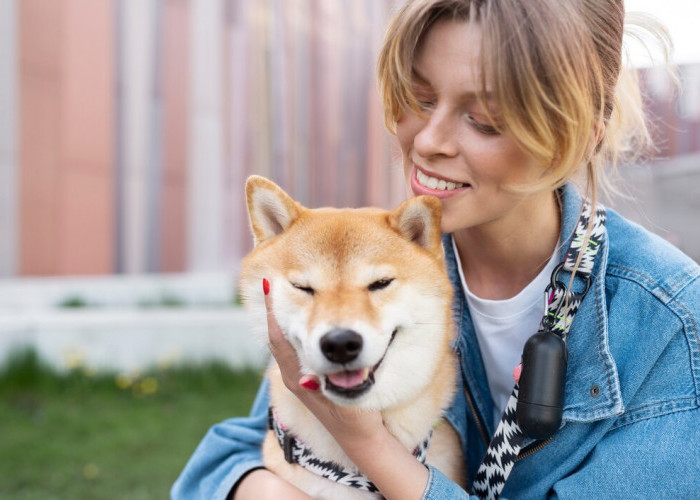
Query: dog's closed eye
x,y
379,284
303,288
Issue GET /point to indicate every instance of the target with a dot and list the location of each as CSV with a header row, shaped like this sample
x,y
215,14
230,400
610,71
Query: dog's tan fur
x,y
338,253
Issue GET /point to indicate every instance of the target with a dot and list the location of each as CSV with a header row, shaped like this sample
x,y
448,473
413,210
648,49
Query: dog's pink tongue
x,y
347,379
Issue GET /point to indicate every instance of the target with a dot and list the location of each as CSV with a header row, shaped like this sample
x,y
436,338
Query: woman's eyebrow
x,y
471,95
419,79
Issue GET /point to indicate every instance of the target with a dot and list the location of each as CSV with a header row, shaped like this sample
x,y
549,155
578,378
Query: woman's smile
x,y
431,184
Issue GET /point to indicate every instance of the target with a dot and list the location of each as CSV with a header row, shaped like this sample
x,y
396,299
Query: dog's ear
x,y
418,220
270,210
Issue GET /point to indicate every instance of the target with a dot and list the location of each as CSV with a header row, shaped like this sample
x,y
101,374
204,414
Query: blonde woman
x,y
498,105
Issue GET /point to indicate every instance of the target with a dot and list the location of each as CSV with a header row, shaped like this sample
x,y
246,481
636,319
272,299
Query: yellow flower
x,y
74,360
123,381
149,385
91,471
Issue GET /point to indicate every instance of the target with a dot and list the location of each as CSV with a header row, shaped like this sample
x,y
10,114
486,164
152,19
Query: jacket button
x,y
595,391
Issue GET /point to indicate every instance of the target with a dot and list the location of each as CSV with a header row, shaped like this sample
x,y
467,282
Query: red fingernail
x,y
310,384
517,371
266,286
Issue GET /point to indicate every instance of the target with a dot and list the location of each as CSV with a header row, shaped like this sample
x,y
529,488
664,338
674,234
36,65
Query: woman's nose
x,y
437,136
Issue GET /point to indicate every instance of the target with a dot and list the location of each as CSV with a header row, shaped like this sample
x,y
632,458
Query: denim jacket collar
x,y
592,382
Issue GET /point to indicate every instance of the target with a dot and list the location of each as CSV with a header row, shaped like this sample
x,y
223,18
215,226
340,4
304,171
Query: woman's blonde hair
x,y
553,67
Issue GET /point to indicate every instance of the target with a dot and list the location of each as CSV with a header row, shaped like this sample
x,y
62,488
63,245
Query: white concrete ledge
x,y
191,289
132,340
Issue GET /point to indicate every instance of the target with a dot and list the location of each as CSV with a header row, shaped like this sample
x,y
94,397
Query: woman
x,y
498,105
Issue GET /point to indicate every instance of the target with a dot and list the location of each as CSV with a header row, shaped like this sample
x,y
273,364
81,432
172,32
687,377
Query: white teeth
x,y
439,184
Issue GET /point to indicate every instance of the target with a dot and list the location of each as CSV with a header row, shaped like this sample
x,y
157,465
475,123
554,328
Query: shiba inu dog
x,y
364,298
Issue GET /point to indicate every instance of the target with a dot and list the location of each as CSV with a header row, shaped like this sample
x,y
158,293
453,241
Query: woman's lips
x,y
443,188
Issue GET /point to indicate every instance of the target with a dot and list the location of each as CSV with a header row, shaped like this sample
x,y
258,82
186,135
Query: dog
x,y
364,298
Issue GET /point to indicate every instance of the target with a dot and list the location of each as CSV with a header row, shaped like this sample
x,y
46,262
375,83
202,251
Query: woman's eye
x,y
424,98
306,289
424,104
484,128
379,284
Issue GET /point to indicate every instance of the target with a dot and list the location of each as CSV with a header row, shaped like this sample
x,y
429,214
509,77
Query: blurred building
x,y
127,128
132,125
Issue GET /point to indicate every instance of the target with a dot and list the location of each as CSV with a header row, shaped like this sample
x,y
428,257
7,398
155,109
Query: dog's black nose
x,y
341,346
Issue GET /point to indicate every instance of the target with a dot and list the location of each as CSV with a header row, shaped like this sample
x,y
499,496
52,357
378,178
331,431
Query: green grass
x,y
80,436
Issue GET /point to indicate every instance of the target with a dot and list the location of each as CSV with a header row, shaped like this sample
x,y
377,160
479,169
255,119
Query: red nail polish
x,y
310,384
517,371
266,286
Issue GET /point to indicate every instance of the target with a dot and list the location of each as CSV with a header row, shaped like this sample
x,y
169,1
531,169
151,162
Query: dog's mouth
x,y
354,383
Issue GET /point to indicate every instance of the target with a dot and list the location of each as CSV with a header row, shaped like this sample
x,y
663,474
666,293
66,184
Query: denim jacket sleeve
x,y
440,487
229,450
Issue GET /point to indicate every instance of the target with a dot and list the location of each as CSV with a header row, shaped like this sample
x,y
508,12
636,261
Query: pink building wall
x,y
66,150
298,104
174,77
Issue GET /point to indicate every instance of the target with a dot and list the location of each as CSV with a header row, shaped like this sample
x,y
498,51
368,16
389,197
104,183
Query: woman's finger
x,y
278,342
283,352
273,330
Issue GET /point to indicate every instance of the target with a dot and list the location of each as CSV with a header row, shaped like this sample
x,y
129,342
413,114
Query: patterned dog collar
x,y
296,451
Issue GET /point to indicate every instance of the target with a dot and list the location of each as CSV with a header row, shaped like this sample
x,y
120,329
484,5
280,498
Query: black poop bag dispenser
x,y
542,380
543,376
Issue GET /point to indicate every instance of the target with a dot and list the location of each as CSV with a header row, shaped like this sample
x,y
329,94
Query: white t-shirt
x,y
502,327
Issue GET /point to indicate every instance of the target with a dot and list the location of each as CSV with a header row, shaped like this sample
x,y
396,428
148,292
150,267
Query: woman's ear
x,y
598,135
270,210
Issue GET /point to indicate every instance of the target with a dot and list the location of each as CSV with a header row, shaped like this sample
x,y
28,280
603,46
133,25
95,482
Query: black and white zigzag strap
x,y
561,305
296,451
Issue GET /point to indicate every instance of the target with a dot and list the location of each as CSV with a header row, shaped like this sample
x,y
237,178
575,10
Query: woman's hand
x,y
350,427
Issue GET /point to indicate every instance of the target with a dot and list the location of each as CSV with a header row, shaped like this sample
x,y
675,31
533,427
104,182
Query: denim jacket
x,y
631,422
